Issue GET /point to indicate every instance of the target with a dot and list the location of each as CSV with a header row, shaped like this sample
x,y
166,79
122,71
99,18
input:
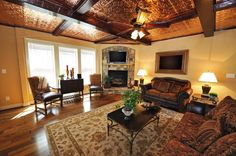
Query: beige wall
x,y
216,54
220,58
10,82
12,58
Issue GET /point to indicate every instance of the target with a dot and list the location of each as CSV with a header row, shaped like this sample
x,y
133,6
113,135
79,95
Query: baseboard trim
x,y
10,106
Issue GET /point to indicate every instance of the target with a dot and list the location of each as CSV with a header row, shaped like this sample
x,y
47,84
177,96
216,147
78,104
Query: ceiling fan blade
x,y
154,25
125,31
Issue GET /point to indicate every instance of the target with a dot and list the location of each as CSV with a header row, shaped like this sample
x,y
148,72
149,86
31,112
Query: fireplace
x,y
119,78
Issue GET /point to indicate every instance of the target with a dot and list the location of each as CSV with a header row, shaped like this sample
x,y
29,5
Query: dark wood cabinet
x,y
201,105
73,85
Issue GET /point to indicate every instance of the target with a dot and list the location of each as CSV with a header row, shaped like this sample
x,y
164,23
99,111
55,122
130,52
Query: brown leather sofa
x,y
168,92
210,135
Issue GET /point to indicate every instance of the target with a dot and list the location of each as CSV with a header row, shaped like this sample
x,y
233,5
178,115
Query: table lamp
x,y
142,73
207,77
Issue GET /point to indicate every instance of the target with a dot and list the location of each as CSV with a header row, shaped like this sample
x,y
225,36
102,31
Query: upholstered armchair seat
x,y
42,93
95,84
49,96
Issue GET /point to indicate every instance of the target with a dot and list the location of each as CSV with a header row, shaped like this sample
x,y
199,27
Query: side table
x,y
201,105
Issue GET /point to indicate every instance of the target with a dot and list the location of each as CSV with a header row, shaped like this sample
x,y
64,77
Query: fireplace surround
x,y
126,69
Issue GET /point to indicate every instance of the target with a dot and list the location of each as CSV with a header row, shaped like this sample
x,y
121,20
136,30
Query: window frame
x,y
56,54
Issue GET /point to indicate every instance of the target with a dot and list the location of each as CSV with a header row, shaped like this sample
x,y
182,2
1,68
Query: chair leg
x,y
35,105
90,94
45,108
61,99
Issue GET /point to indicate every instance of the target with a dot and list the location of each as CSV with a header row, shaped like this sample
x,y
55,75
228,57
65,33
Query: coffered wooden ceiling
x,y
108,21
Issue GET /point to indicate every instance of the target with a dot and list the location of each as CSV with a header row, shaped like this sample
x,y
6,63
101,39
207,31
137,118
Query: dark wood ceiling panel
x,y
226,19
185,28
16,15
84,32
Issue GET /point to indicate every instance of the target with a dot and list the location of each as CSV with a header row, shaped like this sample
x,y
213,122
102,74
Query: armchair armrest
x,y
145,87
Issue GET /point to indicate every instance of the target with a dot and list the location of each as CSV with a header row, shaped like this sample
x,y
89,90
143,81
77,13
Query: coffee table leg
x,y
131,142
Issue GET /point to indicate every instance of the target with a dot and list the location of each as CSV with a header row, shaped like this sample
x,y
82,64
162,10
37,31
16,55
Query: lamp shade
x,y
208,77
142,72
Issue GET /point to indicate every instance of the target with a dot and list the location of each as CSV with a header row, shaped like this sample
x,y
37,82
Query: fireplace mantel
x,y
128,66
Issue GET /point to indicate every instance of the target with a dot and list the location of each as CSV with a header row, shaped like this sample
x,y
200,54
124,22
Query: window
x,y
41,61
88,64
68,56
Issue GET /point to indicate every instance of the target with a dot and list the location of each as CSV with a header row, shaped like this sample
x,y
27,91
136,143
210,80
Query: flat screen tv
x,y
174,62
117,57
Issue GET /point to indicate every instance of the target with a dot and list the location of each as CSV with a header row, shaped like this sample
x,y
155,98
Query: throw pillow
x,y
226,145
175,89
155,84
208,133
222,108
164,87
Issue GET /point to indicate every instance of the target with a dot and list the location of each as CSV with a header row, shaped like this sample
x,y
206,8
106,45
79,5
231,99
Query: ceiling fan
x,y
138,26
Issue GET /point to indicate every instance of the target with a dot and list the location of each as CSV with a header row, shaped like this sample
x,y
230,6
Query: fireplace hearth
x,y
119,78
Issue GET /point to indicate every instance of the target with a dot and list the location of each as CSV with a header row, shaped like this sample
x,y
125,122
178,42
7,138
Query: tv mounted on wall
x,y
117,57
173,62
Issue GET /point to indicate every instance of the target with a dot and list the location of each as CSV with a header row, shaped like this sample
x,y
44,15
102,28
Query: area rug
x,y
85,134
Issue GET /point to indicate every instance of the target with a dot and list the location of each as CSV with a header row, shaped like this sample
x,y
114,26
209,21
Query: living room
x,y
24,25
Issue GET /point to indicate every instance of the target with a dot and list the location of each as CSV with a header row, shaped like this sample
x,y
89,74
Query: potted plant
x,y
130,98
107,82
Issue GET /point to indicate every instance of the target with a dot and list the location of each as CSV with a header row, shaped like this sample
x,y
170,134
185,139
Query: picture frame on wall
x,y
172,62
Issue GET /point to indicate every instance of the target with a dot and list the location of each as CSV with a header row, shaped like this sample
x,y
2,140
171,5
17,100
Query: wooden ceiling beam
x,y
225,5
106,38
83,6
62,27
206,13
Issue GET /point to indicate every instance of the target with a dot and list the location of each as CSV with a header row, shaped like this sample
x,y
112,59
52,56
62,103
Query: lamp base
x,y
141,81
206,89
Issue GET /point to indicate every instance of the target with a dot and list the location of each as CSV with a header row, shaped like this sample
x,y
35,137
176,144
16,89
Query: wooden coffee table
x,y
137,121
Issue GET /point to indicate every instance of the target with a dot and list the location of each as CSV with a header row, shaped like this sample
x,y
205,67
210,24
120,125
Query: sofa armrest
x,y
145,87
184,96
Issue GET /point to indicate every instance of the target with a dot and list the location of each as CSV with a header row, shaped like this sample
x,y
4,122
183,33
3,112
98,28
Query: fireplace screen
x,y
119,78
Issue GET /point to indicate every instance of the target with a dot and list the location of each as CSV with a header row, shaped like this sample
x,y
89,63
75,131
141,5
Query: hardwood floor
x,y
22,132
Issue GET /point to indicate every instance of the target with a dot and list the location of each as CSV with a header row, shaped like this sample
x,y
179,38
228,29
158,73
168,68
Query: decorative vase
x,y
127,113
67,72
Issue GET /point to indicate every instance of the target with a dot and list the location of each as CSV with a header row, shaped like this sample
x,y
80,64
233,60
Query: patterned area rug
x,y
86,134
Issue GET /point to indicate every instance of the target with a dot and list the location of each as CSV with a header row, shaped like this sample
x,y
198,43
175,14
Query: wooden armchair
x,y
95,84
42,93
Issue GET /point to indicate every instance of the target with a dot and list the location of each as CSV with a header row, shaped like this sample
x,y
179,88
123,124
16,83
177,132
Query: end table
x,y
201,105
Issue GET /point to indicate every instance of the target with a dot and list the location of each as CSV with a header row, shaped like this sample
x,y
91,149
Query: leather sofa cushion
x,y
164,86
155,84
153,92
168,96
187,128
175,148
222,108
207,134
225,145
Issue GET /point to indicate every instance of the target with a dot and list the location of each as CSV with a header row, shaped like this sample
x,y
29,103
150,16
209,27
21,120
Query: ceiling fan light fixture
x,y
142,16
134,34
141,34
